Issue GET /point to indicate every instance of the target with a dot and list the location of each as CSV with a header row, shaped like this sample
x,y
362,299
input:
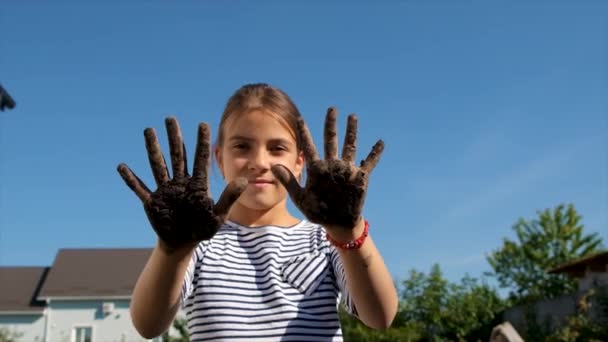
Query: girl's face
x,y
252,144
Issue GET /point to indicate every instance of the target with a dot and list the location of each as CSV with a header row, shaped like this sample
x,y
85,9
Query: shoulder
x,y
308,226
224,233
312,230
316,235
302,227
231,236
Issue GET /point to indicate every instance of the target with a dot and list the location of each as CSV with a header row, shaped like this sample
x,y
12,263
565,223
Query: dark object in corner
x,y
6,101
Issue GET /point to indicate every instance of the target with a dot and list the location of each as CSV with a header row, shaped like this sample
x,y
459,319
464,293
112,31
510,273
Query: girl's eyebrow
x,y
240,137
249,139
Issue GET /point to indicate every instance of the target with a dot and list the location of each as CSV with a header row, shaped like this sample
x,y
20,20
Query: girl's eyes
x,y
275,149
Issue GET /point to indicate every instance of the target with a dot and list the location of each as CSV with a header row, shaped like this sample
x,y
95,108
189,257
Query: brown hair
x,y
263,97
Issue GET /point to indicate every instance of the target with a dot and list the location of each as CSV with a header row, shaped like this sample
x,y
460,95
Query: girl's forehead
x,y
257,121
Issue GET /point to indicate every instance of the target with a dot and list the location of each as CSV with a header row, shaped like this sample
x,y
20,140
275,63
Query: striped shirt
x,y
265,284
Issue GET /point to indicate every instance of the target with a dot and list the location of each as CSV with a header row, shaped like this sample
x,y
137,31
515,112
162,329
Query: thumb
x,y
288,180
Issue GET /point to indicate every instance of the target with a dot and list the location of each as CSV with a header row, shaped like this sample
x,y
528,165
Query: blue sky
x,y
490,112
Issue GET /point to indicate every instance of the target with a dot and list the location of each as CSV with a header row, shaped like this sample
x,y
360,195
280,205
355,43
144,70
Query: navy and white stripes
x,y
265,284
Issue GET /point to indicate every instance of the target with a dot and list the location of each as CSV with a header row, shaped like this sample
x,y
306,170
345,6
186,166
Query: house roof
x,y
18,289
576,268
94,273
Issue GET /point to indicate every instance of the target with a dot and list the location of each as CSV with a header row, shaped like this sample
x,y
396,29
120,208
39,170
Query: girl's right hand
x,y
181,210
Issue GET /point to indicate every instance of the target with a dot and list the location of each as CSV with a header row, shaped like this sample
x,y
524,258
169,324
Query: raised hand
x,y
335,188
181,210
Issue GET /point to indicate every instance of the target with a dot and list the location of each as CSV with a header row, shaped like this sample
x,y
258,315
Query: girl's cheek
x,y
286,159
239,162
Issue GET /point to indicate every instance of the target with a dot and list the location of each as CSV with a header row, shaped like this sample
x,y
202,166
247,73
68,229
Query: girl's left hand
x,y
335,189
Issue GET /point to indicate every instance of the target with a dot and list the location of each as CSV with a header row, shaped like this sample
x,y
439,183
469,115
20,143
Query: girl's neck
x,y
275,216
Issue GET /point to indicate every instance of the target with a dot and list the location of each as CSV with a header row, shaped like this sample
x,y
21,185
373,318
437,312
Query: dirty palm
x,y
182,212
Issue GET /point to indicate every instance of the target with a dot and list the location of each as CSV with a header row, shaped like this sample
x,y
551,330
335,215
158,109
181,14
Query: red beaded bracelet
x,y
353,244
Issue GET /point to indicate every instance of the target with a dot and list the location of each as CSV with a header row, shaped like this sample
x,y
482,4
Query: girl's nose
x,y
259,161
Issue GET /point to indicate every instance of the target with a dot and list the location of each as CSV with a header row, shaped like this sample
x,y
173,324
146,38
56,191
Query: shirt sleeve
x,y
191,277
338,269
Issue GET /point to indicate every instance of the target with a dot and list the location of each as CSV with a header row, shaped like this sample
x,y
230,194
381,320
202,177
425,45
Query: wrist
x,y
345,234
349,238
174,252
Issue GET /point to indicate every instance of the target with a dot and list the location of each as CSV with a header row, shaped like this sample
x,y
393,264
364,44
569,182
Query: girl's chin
x,y
259,201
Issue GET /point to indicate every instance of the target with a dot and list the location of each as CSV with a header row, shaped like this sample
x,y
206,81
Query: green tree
x,y
434,309
7,335
425,299
579,326
450,311
355,331
555,237
179,324
473,309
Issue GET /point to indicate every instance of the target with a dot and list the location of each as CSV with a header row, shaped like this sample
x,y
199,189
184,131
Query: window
x,y
83,334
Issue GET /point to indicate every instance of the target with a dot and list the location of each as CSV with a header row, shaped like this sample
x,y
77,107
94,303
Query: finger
x,y
202,156
350,140
288,180
229,196
331,134
373,157
133,182
155,157
177,147
308,145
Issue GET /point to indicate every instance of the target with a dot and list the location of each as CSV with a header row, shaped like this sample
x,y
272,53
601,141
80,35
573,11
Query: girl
x,y
244,268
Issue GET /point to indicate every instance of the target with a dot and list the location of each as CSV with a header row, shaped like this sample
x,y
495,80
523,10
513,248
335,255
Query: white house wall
x,y
30,326
113,327
66,314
